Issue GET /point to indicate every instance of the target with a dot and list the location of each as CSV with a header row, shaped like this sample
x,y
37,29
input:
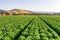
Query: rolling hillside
x,y
19,11
15,12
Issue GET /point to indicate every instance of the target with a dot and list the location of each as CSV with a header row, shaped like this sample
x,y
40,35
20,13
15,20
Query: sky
x,y
33,5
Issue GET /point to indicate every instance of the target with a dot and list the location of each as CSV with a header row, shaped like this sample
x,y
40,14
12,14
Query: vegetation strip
x,y
19,34
29,28
54,20
50,26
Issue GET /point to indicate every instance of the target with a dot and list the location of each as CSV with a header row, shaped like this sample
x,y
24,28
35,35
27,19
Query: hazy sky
x,y
35,5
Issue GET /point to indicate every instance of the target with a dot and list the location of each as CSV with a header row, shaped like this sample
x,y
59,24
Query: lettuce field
x,y
30,27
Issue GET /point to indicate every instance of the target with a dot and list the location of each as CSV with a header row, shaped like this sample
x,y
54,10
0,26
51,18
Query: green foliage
x,y
21,38
7,38
29,27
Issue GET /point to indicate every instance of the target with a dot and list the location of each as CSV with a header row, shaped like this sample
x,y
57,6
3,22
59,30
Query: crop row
x,y
29,28
38,30
11,26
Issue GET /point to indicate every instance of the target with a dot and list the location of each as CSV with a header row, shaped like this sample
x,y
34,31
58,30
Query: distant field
x,y
30,27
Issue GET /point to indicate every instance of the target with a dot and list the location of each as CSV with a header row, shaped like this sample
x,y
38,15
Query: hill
x,y
26,12
15,12
19,11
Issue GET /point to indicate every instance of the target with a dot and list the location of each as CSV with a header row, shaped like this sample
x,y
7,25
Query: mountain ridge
x,y
16,11
23,11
